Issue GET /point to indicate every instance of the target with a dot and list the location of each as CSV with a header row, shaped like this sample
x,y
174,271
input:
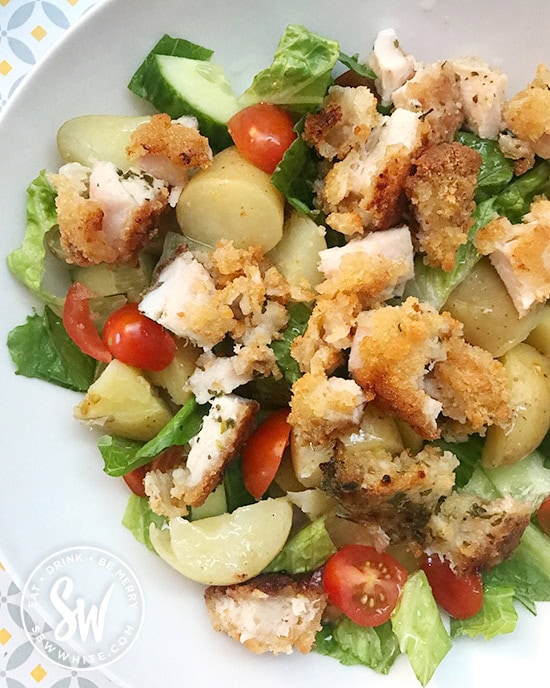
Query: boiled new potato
x,y
97,137
307,460
234,200
377,431
226,549
540,336
175,375
123,402
297,254
490,319
528,373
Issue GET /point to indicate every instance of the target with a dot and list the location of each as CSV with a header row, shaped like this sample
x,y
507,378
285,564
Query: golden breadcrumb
x,y
441,189
398,493
518,150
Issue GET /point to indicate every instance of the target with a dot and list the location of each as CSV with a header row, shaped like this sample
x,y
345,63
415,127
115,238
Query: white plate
x,y
53,494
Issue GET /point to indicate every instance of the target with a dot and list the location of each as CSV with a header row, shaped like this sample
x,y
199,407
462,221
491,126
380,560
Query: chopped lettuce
x,y
516,199
235,492
300,73
27,263
497,615
138,517
468,453
527,480
306,551
298,317
419,629
42,348
496,170
121,455
360,68
351,644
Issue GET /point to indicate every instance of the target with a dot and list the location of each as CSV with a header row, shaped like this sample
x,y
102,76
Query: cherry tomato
x,y
137,340
134,480
263,451
460,596
262,133
543,516
364,583
79,324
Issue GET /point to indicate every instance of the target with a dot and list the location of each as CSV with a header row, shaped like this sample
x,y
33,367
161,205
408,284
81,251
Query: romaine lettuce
x,y
306,551
138,517
497,615
496,170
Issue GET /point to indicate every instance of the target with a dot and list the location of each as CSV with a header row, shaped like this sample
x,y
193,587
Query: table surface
x,y
28,29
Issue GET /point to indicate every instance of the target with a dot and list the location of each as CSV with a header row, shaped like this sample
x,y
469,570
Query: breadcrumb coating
x,y
441,188
476,534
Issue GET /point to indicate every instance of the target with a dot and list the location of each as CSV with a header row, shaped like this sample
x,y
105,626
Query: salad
x,y
311,328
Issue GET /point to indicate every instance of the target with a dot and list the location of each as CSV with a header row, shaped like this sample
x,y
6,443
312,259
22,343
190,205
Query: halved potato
x,y
175,375
307,460
540,336
226,549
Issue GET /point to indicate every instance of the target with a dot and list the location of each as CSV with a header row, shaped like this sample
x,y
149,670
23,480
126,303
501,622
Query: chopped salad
x,y
312,330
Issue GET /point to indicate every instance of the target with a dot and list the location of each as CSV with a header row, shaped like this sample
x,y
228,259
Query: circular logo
x,y
82,608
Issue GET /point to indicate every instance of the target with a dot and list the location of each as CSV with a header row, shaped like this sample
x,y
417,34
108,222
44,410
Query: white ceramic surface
x,y
53,493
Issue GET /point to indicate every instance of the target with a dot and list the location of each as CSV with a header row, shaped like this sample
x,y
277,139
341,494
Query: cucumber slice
x,y
181,86
215,505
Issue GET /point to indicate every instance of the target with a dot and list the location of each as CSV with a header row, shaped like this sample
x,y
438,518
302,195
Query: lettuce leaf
x,y
42,348
468,453
236,493
419,629
138,517
497,615
121,455
300,74
516,199
496,170
304,552
527,480
360,68
27,262
298,317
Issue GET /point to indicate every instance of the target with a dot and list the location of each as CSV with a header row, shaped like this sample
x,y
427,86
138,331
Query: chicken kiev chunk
x,y
398,493
521,255
345,121
271,613
390,64
168,149
223,431
362,192
104,215
441,190
434,94
475,534
483,92
527,114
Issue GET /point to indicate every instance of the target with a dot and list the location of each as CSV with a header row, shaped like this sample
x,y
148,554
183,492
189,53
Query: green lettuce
x,y
418,626
298,317
496,171
121,455
497,615
306,551
138,517
516,199
360,68
42,348
351,644
236,493
468,453
300,73
27,262
527,480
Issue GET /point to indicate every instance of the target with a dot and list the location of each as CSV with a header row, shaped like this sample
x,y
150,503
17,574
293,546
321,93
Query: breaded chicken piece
x,y
168,149
106,216
398,493
223,431
393,349
271,613
321,406
527,114
483,92
441,189
475,534
521,255
390,63
434,93
345,121
362,192
471,386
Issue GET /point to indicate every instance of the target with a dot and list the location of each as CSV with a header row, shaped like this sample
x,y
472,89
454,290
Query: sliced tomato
x,y
460,596
543,516
79,323
134,480
138,341
262,453
364,583
262,133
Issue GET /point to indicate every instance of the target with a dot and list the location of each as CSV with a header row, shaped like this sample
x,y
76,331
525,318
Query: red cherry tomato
x,y
460,596
543,516
262,453
134,480
364,583
79,324
137,340
262,133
